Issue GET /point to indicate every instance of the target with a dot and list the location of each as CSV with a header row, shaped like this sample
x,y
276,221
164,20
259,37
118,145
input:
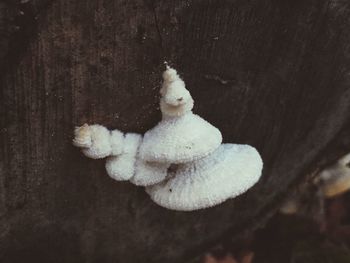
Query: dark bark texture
x,y
273,74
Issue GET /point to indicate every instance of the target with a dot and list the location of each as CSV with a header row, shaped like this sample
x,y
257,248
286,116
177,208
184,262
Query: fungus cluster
x,y
181,162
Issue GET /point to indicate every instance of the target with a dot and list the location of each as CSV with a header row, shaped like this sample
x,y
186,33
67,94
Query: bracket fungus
x,y
181,161
336,178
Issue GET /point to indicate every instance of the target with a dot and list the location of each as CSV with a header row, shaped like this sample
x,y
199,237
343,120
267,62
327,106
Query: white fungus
x,y
98,142
231,170
94,141
336,178
122,167
149,173
181,161
117,142
176,100
180,139
181,136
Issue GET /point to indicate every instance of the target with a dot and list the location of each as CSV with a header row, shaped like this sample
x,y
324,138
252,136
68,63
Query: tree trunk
x,y
273,74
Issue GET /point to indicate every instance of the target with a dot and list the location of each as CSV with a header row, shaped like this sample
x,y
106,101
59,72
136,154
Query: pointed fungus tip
x,y
170,74
166,65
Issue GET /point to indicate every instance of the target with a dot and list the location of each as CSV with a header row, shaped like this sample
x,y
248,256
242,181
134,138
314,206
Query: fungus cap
x,y
82,136
176,100
179,140
94,140
336,178
122,166
117,142
229,171
97,141
148,173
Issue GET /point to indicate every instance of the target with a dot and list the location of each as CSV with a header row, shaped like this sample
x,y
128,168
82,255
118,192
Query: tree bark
x,y
273,74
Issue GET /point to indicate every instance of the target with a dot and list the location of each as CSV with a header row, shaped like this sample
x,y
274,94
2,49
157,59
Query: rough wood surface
x,y
273,74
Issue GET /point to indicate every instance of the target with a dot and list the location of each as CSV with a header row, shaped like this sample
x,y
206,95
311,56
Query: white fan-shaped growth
x,y
181,161
226,173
